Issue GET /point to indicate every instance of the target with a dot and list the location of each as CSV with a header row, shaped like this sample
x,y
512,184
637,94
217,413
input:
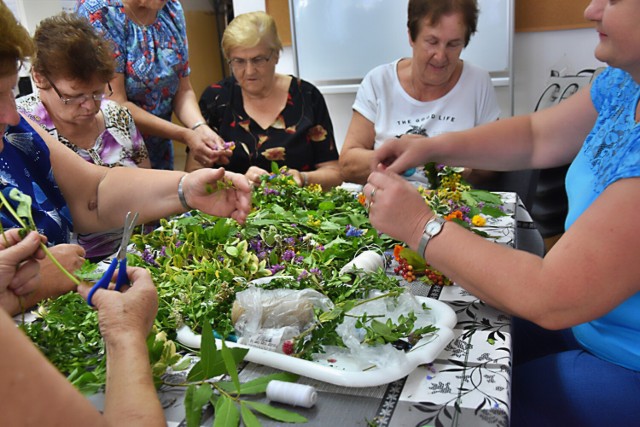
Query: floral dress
x,y
152,59
300,138
25,165
120,144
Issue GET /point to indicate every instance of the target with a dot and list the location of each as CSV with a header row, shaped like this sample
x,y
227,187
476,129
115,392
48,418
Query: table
x,y
467,385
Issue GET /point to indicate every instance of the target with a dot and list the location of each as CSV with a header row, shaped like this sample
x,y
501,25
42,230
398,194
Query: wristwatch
x,y
431,229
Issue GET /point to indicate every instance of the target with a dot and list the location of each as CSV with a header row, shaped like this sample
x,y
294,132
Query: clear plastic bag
x,y
268,318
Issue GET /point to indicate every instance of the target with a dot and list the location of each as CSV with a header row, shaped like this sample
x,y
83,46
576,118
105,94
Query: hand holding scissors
x,y
120,260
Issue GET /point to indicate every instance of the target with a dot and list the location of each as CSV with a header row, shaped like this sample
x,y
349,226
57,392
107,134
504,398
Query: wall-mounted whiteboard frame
x,y
336,42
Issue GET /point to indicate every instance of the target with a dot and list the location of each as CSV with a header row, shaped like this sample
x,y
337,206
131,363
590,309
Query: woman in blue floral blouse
x,y
152,75
270,117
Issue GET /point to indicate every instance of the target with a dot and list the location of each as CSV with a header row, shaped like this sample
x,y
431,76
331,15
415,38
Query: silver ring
x,y
373,192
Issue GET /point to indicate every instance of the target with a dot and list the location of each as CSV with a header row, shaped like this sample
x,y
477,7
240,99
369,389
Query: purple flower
x,y
270,191
288,255
353,231
303,275
275,268
149,258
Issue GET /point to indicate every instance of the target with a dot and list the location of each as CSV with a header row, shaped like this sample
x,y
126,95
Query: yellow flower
x,y
478,220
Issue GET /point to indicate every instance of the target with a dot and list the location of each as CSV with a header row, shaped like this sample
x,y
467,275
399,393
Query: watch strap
x,y
426,237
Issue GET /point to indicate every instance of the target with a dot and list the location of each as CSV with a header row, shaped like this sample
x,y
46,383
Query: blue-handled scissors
x,y
120,260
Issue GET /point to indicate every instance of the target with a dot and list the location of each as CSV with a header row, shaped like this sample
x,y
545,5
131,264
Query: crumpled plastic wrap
x,y
267,318
386,308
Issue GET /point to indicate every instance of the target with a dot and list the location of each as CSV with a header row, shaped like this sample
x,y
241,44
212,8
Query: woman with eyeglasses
x,y
430,93
152,76
271,117
71,68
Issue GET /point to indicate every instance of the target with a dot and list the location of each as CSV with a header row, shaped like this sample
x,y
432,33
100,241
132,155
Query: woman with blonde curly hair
x,y
271,117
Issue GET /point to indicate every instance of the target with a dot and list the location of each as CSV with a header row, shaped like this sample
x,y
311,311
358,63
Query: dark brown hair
x,y
434,10
68,46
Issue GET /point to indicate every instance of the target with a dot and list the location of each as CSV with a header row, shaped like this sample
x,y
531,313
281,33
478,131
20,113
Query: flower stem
x,y
53,259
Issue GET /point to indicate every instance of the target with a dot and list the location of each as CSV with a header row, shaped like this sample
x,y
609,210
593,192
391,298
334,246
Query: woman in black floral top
x,y
270,117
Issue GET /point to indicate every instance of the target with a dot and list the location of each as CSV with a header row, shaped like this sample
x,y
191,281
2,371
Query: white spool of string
x,y
293,394
368,261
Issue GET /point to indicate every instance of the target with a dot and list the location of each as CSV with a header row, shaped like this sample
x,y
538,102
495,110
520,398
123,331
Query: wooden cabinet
x,y
546,15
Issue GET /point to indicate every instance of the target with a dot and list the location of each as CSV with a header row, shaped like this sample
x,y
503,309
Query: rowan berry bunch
x,y
405,270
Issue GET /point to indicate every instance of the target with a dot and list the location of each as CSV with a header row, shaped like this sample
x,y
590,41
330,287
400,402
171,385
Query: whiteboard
x,y
339,41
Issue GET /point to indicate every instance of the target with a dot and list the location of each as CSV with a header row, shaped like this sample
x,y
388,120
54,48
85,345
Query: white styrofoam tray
x,y
343,372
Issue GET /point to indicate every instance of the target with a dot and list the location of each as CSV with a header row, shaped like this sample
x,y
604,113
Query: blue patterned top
x,y
25,164
152,58
611,152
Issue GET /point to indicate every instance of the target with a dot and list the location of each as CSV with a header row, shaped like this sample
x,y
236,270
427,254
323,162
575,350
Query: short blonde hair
x,y
248,30
15,43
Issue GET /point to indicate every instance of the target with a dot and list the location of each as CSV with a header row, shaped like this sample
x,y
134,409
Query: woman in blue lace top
x,y
577,354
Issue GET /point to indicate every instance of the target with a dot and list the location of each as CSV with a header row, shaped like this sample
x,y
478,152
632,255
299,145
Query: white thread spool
x,y
293,394
368,261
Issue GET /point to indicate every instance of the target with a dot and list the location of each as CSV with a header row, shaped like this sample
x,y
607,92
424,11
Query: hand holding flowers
x,y
218,192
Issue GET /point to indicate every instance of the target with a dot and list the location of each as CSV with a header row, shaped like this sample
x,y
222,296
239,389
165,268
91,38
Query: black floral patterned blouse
x,y
300,138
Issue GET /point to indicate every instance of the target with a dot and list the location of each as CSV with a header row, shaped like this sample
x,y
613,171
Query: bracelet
x,y
197,125
305,179
183,200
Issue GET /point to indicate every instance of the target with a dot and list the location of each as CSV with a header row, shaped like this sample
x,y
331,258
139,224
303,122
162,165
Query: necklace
x,y
135,19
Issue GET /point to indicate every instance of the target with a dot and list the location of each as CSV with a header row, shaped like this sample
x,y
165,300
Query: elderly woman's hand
x,y
126,313
254,173
220,193
401,154
19,268
207,146
71,257
389,197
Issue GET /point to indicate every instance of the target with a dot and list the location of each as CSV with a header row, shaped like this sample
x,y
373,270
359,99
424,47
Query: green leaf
x,y
277,414
493,211
226,413
195,398
483,196
230,364
24,204
231,250
209,364
182,364
383,330
414,259
248,418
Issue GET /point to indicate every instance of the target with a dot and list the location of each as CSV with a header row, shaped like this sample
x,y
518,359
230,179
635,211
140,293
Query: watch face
x,y
433,227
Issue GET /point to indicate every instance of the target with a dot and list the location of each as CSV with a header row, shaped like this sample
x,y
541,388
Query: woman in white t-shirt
x,y
431,93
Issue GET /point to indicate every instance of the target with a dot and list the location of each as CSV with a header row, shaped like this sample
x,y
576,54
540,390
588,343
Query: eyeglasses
x,y
77,100
257,62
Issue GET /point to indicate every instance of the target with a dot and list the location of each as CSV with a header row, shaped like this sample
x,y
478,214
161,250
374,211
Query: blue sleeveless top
x,y
611,152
